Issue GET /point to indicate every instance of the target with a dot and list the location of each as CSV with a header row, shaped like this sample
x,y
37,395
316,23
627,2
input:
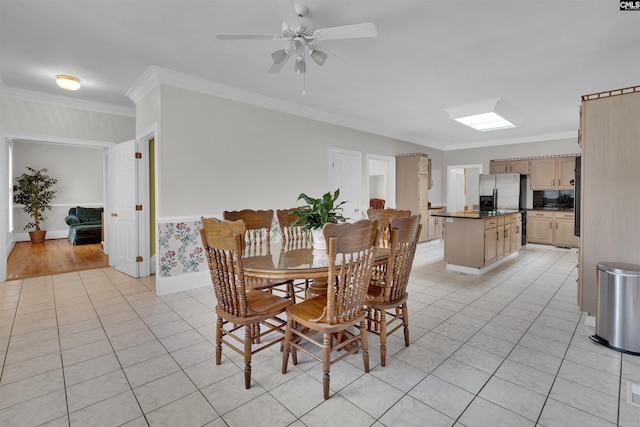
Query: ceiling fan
x,y
303,37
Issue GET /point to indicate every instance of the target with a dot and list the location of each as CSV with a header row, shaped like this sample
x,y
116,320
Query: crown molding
x,y
523,140
154,76
63,101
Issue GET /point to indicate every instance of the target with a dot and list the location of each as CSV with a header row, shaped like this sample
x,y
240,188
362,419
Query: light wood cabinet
x,y
610,230
554,173
540,227
502,237
490,246
436,224
478,243
551,228
563,230
543,174
516,232
566,172
509,166
498,166
412,187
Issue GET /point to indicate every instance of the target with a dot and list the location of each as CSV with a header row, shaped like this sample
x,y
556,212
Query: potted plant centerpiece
x,y
34,191
316,213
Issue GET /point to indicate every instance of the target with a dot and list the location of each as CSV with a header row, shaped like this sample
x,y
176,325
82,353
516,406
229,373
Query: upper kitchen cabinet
x,y
566,172
509,166
413,180
553,173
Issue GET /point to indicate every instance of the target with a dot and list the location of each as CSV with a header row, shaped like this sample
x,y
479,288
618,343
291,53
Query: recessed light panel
x,y
493,114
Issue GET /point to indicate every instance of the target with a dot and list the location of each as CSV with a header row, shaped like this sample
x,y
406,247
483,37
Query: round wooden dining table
x,y
294,262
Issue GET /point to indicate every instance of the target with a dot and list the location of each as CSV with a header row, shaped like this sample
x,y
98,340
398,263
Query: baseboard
x,y
183,282
53,234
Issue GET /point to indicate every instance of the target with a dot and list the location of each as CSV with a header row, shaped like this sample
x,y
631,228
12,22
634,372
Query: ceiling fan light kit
x,y
302,34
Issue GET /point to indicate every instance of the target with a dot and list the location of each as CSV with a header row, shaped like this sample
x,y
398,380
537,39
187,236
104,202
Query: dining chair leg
x,y
365,345
219,341
248,338
383,337
326,362
286,348
405,322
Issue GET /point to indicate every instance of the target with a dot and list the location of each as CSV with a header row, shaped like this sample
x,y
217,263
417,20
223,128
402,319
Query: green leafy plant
x,y
34,191
318,212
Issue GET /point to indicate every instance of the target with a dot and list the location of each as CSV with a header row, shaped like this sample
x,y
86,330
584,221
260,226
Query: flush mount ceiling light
x,y
68,82
493,114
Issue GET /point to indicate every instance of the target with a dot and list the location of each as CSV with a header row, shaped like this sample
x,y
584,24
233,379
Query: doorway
x,y
84,162
346,171
463,184
381,182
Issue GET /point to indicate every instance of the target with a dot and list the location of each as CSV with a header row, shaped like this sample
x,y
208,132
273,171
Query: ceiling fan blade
x,y
240,36
347,32
288,13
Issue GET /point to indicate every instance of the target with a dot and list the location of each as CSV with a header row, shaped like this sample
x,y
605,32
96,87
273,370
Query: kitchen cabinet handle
x,y
497,236
550,225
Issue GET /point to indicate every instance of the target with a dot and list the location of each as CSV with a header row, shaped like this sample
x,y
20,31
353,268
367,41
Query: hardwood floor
x,y
54,256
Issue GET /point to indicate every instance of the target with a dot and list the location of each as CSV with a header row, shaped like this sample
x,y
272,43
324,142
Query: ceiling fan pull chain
x,y
304,84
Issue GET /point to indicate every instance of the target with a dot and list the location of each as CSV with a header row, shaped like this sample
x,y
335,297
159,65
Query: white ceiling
x,y
539,56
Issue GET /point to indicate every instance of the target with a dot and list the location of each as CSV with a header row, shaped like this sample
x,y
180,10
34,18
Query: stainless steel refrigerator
x,y
509,191
505,192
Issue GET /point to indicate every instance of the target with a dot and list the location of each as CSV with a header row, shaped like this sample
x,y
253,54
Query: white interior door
x,y
346,175
125,218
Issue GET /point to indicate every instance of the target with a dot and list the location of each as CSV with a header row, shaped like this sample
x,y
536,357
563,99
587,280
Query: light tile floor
x,y
508,348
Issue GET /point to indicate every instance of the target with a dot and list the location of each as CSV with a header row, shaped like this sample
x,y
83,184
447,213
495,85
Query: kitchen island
x,y
475,242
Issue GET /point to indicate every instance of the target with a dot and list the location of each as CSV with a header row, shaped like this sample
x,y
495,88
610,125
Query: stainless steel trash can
x,y
618,316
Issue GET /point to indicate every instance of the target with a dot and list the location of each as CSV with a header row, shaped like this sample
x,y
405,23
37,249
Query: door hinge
x,y
138,258
138,207
138,155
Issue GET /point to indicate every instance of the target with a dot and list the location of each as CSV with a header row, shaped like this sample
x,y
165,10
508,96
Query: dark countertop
x,y
475,214
551,209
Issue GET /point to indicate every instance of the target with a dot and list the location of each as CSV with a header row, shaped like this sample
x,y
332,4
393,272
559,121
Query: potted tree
x,y
34,191
316,213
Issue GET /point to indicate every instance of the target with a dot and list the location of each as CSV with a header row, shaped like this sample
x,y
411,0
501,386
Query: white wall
x,y
79,171
216,154
31,119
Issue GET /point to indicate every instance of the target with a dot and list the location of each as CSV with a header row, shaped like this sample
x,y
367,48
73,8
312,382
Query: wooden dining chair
x,y
376,203
351,251
258,232
257,241
384,216
387,299
293,238
238,306
292,235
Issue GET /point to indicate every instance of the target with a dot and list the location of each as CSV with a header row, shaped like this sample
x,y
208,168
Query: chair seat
x,y
307,311
263,306
379,303
257,284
